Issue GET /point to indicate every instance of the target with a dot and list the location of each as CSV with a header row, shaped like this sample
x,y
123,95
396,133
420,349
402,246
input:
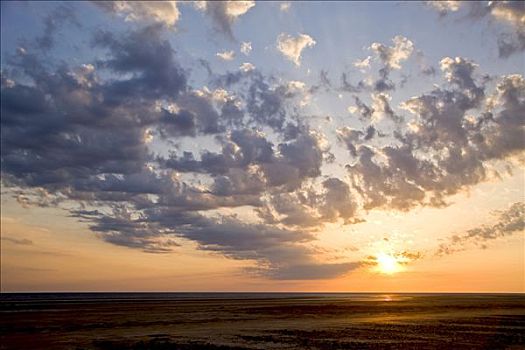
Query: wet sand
x,y
262,321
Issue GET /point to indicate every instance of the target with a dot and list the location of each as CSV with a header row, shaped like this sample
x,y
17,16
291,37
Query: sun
x,y
387,264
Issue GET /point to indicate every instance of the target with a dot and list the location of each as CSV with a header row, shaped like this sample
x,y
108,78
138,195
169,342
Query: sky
x,y
263,146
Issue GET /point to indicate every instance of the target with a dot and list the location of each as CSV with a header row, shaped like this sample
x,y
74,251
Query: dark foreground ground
x,y
247,321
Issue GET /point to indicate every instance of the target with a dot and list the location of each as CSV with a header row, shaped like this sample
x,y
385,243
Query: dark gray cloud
x,y
52,23
510,38
309,271
224,13
19,241
84,139
310,207
117,143
268,100
352,138
509,221
277,253
377,110
510,13
285,165
347,86
460,129
390,58
150,60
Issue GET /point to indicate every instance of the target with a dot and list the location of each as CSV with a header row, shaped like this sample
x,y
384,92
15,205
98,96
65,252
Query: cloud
x,y
509,13
462,146
513,14
445,6
310,207
292,47
277,253
126,144
363,64
401,258
379,109
392,56
246,67
52,141
246,47
162,12
509,221
226,55
349,87
459,71
351,138
300,158
389,57
310,271
285,6
17,241
53,22
148,55
225,13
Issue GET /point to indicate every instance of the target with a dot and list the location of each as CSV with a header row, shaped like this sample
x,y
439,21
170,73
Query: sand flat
x,y
262,321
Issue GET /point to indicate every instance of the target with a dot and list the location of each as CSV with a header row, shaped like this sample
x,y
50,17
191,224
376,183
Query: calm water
x,y
261,321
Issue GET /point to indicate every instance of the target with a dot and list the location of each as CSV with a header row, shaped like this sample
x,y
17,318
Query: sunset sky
x,y
269,146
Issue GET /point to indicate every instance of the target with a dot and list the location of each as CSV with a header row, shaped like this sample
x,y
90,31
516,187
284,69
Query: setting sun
x,y
387,264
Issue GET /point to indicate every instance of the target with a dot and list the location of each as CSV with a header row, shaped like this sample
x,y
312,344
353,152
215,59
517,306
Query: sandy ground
x,y
329,322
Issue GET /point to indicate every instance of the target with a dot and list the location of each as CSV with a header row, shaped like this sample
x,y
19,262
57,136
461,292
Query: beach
x,y
262,321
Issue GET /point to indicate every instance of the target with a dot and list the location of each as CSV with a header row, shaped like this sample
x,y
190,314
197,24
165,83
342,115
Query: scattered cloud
x,y
246,47
292,47
239,166
226,55
445,6
53,22
246,67
163,12
310,271
392,56
509,221
363,64
461,145
285,6
510,14
19,241
224,13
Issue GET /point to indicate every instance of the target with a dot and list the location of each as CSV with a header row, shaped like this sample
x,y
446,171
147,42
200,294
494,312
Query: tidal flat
x,y
261,321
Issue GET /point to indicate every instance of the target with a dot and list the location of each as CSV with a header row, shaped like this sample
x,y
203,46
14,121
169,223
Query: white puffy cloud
x,y
381,107
445,6
363,64
246,47
292,47
459,71
392,56
165,12
226,55
285,6
225,13
246,67
511,12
